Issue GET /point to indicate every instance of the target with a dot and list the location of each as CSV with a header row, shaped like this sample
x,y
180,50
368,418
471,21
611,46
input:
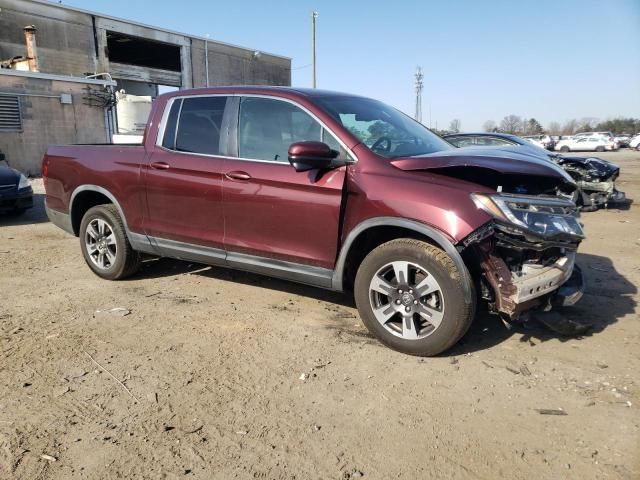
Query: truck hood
x,y
506,162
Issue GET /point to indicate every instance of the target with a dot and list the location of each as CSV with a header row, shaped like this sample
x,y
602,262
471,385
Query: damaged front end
x,y
525,257
595,179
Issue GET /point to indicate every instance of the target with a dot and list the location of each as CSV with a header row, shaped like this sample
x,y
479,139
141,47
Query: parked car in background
x,y
544,141
16,194
332,190
595,134
595,177
587,144
622,140
635,142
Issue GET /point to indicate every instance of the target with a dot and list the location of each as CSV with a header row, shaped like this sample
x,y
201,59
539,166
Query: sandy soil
x,y
217,374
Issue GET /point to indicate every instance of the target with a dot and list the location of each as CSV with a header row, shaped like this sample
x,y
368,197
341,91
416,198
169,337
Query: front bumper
x,y
515,274
16,200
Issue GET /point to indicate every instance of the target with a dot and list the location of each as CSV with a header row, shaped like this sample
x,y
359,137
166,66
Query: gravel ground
x,y
218,374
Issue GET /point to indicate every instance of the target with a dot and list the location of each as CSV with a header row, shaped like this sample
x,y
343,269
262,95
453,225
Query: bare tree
x,y
570,127
554,128
587,124
455,125
489,126
511,124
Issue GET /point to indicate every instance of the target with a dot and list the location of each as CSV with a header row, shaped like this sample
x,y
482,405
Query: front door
x,y
183,177
270,210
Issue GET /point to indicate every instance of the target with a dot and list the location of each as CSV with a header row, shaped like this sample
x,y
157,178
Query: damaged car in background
x,y
595,177
332,190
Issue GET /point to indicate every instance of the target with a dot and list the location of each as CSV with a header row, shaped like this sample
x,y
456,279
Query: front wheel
x,y
564,148
410,295
599,148
104,244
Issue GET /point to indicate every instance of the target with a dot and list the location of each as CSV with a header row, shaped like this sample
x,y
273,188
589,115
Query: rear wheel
x,y
410,295
599,148
104,244
564,148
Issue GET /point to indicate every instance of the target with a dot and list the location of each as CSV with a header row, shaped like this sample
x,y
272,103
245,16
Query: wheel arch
x,y
85,197
383,229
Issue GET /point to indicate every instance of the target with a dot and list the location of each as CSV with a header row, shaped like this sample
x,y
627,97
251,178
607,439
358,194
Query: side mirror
x,y
305,156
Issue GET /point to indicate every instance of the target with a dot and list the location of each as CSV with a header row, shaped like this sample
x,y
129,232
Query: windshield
x,y
385,130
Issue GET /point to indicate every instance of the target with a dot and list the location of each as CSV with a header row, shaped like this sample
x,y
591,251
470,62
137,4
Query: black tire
x,y
127,260
564,148
599,148
456,315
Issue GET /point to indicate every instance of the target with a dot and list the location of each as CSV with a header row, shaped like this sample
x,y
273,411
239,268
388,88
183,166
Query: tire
x,y
564,148
428,269
104,244
599,148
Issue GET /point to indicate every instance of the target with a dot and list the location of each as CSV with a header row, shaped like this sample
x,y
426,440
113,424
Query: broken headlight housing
x,y
544,216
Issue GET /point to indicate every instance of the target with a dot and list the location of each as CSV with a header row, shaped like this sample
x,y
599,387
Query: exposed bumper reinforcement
x,y
571,291
537,281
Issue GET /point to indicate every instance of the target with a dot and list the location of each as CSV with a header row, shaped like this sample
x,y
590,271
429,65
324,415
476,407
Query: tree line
x,y
516,125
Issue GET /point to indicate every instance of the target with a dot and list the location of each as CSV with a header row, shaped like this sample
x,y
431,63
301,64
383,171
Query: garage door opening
x,y
131,50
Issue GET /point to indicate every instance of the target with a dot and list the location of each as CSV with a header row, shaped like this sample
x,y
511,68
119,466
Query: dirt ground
x,y
218,374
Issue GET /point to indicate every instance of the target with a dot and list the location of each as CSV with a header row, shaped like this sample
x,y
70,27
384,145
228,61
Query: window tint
x,y
200,124
268,127
169,140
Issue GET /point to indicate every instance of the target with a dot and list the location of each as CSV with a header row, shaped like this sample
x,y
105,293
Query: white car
x,y
591,143
635,142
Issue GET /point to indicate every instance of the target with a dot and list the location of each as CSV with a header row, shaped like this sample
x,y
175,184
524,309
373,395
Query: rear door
x,y
183,178
271,210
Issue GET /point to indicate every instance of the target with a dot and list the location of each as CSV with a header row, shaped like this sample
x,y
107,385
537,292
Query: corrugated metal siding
x,y
10,114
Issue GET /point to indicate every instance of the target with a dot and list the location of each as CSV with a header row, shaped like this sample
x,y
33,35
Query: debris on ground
x,y
551,411
48,458
117,311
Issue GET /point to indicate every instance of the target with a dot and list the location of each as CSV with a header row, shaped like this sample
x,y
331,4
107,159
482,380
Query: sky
x,y
482,60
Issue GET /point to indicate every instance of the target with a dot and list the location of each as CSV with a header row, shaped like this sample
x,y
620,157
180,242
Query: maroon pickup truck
x,y
332,190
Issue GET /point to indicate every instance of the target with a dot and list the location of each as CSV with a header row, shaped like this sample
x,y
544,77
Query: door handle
x,y
160,165
238,176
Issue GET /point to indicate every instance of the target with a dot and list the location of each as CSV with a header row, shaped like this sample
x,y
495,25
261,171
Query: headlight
x,y
23,183
548,217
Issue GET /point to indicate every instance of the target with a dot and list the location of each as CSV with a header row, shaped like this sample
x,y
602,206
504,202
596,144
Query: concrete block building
x,y
61,66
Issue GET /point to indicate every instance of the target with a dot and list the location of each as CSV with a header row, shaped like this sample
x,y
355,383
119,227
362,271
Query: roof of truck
x,y
258,89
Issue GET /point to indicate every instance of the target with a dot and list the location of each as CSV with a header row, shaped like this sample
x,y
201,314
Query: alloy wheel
x,y
100,242
407,300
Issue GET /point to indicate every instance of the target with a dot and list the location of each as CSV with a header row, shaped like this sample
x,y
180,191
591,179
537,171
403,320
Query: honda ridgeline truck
x,y
332,190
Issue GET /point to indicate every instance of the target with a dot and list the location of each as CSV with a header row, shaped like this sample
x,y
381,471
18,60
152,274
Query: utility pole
x,y
419,85
314,15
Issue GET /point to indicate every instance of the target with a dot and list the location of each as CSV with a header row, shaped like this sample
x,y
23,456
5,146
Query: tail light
x,y
45,170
